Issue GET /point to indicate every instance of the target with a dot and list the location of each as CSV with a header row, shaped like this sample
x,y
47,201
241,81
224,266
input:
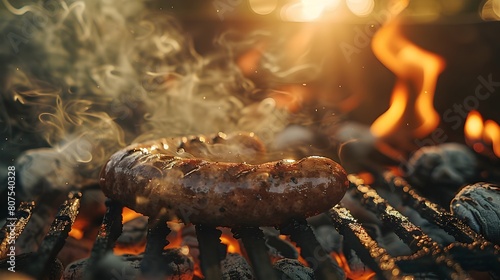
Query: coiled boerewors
x,y
207,181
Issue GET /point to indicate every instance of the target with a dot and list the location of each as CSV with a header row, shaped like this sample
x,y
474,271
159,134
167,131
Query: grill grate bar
x,y
367,249
476,256
427,254
324,267
472,251
211,251
13,229
54,240
152,263
253,240
433,212
111,228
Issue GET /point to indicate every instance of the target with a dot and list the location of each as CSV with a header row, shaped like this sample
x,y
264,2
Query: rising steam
x,y
81,79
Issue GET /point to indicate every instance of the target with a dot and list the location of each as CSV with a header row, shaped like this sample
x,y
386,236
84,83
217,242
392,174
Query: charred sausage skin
x,y
153,180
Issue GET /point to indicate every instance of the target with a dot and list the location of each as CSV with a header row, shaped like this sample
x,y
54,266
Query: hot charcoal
x,y
235,267
134,232
174,265
290,269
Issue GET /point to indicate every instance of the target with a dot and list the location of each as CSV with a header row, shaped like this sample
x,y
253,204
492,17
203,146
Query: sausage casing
x,y
150,180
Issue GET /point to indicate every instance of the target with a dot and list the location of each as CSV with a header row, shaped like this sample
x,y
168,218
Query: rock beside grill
x,y
478,205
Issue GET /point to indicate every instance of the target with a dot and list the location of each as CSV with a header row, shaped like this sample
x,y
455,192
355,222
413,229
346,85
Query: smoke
x,y
81,79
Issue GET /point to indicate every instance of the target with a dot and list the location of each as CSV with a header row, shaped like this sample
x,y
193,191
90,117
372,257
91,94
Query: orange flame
x,y
479,134
341,261
417,71
129,214
492,135
358,275
233,246
388,121
473,130
474,125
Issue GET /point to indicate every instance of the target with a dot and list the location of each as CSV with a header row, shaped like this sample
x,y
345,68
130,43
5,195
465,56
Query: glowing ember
x,y
417,71
233,246
359,275
76,233
129,214
134,250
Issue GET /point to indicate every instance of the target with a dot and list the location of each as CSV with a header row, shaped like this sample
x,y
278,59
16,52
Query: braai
x,y
183,177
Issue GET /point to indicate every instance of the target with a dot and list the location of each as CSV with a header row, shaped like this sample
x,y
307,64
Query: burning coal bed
x,y
382,230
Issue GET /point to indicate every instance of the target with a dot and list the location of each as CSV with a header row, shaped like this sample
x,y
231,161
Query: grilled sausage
x,y
153,180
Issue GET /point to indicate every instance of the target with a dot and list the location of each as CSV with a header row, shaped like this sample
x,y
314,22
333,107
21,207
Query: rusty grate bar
x,y
153,261
15,226
56,237
472,251
324,267
427,254
111,228
367,249
433,212
211,251
253,240
476,256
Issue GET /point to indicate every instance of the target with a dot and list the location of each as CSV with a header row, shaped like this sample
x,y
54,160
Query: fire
x,y
388,121
129,214
341,261
417,71
233,246
483,137
492,135
474,125
358,275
